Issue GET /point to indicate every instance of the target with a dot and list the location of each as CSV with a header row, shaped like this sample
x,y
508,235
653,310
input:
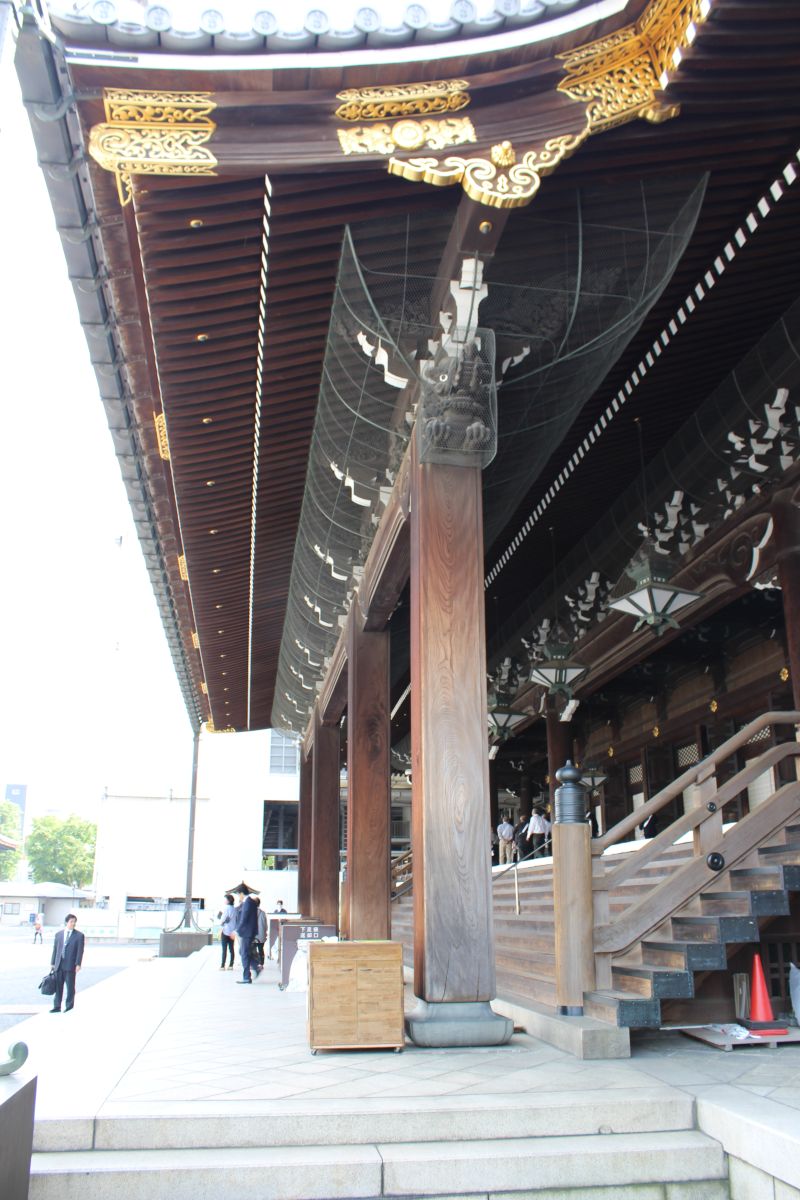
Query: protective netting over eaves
x,y
362,427
569,288
741,442
567,292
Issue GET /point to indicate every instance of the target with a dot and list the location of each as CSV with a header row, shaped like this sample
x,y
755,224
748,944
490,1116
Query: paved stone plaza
x,y
172,1056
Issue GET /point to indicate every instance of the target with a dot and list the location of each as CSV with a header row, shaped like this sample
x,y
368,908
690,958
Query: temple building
x,y
451,357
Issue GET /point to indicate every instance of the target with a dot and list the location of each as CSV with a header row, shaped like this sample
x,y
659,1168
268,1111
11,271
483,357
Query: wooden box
x,y
355,995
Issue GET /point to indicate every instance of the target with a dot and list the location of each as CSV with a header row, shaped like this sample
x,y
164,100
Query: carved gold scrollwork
x,y
406,135
404,100
153,133
124,107
160,422
491,182
616,79
621,77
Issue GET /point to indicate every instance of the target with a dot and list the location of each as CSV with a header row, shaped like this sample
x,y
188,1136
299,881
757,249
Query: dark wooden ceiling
x,y
740,120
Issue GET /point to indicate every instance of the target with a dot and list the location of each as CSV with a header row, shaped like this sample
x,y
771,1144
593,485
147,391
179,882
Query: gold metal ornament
x,y
623,76
783,674
125,107
486,182
182,571
504,155
616,79
153,133
403,100
406,135
161,435
714,706
195,640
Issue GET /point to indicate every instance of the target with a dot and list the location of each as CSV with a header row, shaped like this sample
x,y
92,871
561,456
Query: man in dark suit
x,y
66,961
246,930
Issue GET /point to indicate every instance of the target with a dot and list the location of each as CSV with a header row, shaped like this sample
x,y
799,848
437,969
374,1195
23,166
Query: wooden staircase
x,y
664,918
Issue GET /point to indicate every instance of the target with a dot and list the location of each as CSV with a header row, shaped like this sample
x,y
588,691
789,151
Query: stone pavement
x,y
164,1054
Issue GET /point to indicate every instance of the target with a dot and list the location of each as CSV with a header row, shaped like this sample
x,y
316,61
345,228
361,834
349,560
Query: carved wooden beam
x,y
726,565
418,130
333,692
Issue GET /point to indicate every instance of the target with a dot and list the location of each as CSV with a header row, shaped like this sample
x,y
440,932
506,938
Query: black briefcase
x,y
48,985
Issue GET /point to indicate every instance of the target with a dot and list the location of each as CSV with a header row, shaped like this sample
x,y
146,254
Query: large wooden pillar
x,y
304,827
368,774
325,824
454,976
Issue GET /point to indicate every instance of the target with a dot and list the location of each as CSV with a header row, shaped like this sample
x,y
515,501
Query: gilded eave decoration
x,y
404,100
153,133
616,79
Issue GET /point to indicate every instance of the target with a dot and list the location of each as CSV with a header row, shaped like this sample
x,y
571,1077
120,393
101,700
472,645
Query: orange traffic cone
x,y
762,1022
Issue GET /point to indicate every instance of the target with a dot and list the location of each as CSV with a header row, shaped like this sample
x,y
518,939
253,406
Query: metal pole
x,y
188,914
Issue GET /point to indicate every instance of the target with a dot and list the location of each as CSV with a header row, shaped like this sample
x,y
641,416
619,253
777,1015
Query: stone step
x,y
384,1169
413,1119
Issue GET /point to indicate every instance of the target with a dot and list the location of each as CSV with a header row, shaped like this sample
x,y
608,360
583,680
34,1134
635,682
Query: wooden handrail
x,y
401,875
693,775
695,875
694,817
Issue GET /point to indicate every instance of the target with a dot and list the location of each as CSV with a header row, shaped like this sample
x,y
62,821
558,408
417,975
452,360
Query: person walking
x,y
37,928
66,961
246,930
227,931
537,831
520,839
261,933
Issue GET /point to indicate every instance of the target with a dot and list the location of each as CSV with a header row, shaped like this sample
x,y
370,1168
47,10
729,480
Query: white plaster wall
x,y
142,842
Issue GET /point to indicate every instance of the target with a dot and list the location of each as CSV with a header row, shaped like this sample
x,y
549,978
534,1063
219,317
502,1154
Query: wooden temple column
x,y
454,976
325,824
368,773
304,828
559,746
786,515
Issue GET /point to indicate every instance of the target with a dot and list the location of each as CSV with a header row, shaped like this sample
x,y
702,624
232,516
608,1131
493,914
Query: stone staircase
x,y
643,1143
669,963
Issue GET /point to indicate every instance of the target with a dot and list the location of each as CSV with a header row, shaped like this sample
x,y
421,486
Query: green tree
x,y
61,851
9,827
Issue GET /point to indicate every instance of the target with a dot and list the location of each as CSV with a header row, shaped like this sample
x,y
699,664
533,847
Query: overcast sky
x,y
88,696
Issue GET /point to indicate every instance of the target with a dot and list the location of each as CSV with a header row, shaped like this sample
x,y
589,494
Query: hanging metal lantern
x,y
652,599
558,671
502,718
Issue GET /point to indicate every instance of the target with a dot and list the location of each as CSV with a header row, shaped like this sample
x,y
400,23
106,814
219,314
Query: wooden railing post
x,y
703,794
572,894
